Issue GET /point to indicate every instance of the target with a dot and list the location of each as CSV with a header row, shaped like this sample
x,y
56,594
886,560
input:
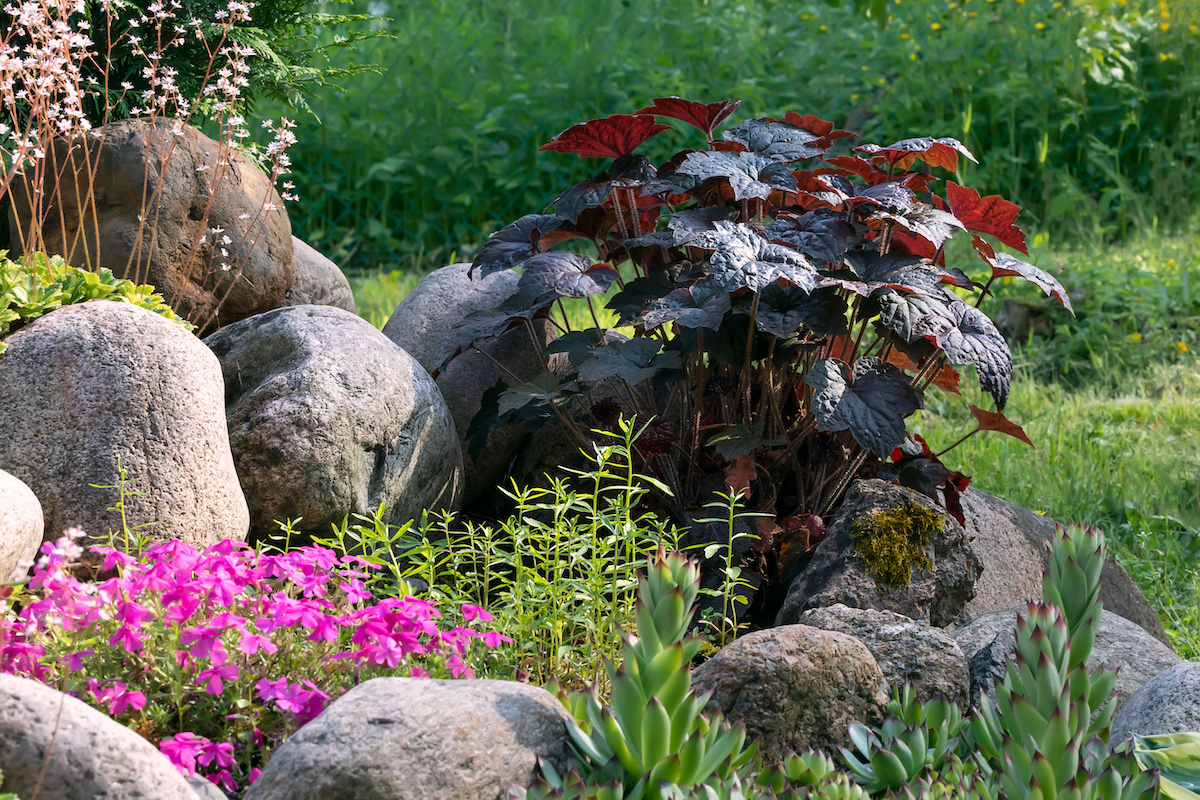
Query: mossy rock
x,y
892,542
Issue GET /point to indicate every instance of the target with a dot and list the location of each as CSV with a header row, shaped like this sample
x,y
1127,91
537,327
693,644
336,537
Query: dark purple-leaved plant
x,y
789,309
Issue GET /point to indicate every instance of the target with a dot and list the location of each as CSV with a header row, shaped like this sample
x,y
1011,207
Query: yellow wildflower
x,y
912,56
935,26
1165,26
1181,347
1171,263
1136,337
1040,26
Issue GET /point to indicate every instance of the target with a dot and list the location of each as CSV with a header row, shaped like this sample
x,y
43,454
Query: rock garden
x,y
634,503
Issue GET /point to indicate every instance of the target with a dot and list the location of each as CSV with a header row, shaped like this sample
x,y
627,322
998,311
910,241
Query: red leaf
x,y
860,167
612,137
992,214
983,248
740,475
996,421
941,152
947,377
814,124
705,117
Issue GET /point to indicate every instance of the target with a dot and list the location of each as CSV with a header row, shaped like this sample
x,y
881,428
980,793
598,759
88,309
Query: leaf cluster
x,y
788,306
38,284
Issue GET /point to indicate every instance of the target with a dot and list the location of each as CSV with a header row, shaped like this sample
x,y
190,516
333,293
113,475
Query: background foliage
x,y
1083,112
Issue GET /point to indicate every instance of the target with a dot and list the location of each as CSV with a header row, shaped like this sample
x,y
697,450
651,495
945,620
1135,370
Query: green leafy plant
x,y
6,795
789,307
1176,756
37,285
559,576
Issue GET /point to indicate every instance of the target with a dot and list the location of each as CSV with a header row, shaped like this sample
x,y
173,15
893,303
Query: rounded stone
x,y
318,281
21,525
328,418
418,739
1167,703
84,754
107,386
794,687
134,160
424,324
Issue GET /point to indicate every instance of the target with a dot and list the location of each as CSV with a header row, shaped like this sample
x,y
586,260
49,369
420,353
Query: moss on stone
x,y
892,542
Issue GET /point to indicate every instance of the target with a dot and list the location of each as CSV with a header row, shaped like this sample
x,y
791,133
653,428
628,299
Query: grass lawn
x,y
1111,400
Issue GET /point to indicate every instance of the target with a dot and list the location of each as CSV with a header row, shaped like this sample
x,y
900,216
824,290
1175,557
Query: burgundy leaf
x,y
611,137
776,140
821,235
894,269
706,117
941,152
996,421
928,223
512,244
749,174
832,190
1004,264
701,305
906,314
892,195
783,309
969,337
815,125
860,167
992,215
571,203
947,377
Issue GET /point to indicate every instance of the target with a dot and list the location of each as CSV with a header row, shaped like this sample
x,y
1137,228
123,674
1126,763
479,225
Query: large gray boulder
x,y
424,324
991,640
794,687
318,281
907,651
327,417
85,755
104,386
134,160
1012,542
21,524
419,739
1167,703
837,574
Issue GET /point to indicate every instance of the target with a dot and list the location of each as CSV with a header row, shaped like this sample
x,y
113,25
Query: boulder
x,y
837,574
1167,703
21,525
317,281
135,160
1012,542
327,417
991,639
205,789
107,386
84,753
418,739
424,324
794,687
905,650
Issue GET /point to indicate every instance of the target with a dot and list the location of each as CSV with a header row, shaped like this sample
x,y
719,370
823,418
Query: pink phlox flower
x,y
180,605
253,776
75,660
219,752
252,643
473,612
226,547
133,613
226,620
114,557
117,696
268,690
354,590
386,651
313,702
418,672
223,779
182,750
326,629
127,638
495,639
214,678
457,668
199,639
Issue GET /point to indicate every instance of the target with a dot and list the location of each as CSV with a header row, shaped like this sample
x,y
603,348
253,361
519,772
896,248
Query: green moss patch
x,y
892,542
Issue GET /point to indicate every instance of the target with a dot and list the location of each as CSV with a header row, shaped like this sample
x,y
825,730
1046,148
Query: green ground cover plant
x,y
1082,112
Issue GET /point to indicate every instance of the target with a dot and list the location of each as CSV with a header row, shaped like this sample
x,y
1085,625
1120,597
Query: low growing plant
x,y
789,309
39,284
1040,740
216,656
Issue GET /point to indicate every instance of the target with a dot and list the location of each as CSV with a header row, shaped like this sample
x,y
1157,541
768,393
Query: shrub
x,y
786,320
218,655
40,284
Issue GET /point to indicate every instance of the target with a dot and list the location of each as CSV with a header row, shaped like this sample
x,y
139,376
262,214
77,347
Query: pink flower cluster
x,y
210,634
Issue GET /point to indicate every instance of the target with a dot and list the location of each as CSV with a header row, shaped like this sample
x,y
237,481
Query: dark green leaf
x,y
871,404
543,389
743,258
740,441
577,344
903,312
701,305
512,244
776,140
750,174
967,336
562,274
638,294
783,309
633,361
822,235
